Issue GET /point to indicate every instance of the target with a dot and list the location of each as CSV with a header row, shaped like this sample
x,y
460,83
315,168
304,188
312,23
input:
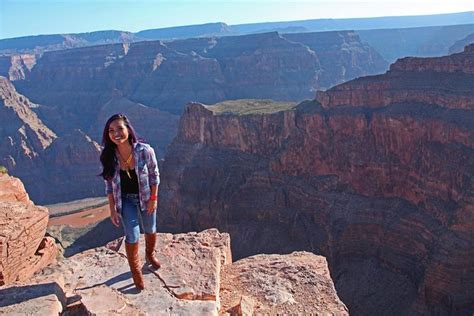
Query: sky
x,y
34,17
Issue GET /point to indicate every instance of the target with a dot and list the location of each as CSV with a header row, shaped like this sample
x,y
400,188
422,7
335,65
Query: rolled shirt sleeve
x,y
152,164
108,187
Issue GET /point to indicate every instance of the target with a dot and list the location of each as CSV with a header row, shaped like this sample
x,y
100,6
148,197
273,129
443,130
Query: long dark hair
x,y
107,156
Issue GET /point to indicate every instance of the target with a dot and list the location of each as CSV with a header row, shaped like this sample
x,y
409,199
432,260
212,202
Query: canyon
x,y
197,276
375,174
42,43
72,92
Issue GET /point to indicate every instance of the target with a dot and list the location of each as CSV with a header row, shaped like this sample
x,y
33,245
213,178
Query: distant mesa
x,y
459,45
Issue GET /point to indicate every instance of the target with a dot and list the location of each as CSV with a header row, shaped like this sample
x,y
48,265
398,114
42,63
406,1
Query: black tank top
x,y
128,185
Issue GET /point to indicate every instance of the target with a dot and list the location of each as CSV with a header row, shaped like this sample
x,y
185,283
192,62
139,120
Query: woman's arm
x,y
113,211
152,164
153,201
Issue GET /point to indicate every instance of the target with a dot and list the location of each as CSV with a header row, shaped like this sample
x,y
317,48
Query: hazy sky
x,y
33,17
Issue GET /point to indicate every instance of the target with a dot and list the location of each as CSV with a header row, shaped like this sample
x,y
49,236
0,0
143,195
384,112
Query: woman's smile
x,y
118,132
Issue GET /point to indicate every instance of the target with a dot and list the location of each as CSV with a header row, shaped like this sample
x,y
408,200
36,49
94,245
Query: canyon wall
x,y
52,168
74,91
394,43
374,174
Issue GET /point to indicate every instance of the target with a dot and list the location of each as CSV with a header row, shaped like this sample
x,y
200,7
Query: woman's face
x,y
118,132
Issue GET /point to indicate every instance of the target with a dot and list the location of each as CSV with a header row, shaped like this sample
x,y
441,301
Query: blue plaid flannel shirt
x,y
147,171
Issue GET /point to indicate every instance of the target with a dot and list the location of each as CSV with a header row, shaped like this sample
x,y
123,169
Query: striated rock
x,y
444,81
23,135
23,247
169,75
69,165
77,89
382,190
298,283
342,54
197,277
12,190
17,67
42,43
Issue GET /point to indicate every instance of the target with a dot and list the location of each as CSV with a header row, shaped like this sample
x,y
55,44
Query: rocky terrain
x,y
74,91
24,249
42,43
373,174
197,275
52,167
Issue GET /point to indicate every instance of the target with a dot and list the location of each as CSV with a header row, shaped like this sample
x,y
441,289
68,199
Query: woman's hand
x,y
114,217
151,206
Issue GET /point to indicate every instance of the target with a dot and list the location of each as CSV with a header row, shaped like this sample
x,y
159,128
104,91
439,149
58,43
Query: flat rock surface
x,y
186,284
45,296
297,283
191,262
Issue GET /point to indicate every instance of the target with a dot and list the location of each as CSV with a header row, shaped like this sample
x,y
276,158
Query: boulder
x,y
23,246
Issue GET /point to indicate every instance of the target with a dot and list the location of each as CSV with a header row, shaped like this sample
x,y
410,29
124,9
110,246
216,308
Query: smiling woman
x,y
130,171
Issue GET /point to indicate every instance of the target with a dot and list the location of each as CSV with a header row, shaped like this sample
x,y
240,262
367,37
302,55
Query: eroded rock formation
x,y
376,177
78,89
24,249
191,281
52,168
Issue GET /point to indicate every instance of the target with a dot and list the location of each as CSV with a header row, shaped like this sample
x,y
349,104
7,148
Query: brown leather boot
x,y
150,242
134,263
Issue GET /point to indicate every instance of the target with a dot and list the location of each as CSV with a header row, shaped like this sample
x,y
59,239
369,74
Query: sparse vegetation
x,y
250,106
3,170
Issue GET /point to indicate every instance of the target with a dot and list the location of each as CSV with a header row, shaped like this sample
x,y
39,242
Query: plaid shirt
x,y
146,168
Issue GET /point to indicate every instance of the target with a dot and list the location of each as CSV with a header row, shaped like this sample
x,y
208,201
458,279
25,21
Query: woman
x,y
131,179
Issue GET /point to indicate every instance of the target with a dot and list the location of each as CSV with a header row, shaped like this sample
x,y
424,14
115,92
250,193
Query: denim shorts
x,y
134,221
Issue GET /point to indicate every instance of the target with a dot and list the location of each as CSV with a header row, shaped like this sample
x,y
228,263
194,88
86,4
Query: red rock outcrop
x,y
23,134
445,81
78,88
169,75
381,188
294,284
16,67
197,276
23,248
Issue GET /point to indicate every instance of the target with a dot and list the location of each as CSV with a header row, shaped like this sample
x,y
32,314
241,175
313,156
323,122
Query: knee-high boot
x,y
134,263
150,242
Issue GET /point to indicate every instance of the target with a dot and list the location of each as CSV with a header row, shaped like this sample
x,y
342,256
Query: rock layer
x,y
381,187
297,283
32,151
23,247
197,276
